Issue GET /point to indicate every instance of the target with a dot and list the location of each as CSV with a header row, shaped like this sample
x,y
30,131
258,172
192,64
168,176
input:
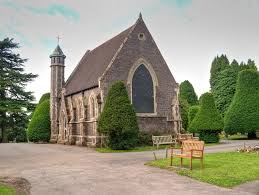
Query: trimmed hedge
x,y
208,121
243,113
193,110
39,126
45,96
118,119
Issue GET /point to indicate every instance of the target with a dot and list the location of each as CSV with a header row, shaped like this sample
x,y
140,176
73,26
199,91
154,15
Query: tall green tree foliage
x,y
193,110
184,107
187,92
208,121
118,119
15,101
243,113
39,126
218,64
45,96
223,80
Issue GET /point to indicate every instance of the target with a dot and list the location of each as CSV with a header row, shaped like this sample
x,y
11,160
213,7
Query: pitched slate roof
x,y
93,64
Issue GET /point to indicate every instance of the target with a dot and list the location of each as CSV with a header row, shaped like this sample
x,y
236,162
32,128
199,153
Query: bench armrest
x,y
197,150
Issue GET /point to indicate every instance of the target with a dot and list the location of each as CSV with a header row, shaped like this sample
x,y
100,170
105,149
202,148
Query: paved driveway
x,y
58,169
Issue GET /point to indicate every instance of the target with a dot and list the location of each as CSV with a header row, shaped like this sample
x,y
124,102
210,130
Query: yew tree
x,y
243,113
208,122
118,119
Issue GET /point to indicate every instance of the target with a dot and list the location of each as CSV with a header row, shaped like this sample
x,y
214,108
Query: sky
x,y
189,33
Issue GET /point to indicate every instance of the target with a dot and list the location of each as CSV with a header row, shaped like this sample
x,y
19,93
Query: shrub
x,y
39,126
18,134
193,110
243,113
118,119
45,96
144,139
208,121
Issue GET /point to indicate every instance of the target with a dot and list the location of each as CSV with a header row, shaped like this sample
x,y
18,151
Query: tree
x,y
17,126
193,110
187,92
45,96
15,101
243,113
39,126
219,64
225,89
118,119
223,80
208,121
184,107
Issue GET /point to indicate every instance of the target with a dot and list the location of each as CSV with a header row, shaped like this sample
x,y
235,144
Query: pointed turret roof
x,y
57,52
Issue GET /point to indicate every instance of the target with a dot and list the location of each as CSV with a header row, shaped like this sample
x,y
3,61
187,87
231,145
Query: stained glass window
x,y
142,91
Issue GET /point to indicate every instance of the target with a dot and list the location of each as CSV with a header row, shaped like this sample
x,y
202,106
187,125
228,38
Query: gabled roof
x,y
93,64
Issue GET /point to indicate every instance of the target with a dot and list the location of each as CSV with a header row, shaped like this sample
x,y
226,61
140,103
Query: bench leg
x,y
181,162
201,163
190,163
171,161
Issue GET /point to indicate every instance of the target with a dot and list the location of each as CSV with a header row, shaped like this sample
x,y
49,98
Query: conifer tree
x,y
184,107
219,64
15,101
187,92
208,121
39,126
243,113
45,96
193,110
118,119
224,78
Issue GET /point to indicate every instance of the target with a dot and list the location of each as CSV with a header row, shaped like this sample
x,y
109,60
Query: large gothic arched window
x,y
142,90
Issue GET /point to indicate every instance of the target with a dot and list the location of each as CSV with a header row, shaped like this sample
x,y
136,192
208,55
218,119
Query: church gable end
x,y
149,81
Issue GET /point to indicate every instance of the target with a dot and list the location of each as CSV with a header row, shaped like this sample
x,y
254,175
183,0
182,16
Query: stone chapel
x,y
133,57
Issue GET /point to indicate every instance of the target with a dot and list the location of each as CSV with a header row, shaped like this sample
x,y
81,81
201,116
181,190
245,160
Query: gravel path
x,y
58,169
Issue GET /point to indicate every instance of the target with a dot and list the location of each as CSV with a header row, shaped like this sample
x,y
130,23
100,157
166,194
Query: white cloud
x,y
189,37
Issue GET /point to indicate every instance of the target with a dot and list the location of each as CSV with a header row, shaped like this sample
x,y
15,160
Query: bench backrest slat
x,y
189,145
162,139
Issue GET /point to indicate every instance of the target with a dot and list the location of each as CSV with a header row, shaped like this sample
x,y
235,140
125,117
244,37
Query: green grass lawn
x,y
141,148
221,169
236,137
7,190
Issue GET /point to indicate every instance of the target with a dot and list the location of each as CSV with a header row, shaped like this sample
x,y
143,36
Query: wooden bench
x,y
182,137
159,140
191,149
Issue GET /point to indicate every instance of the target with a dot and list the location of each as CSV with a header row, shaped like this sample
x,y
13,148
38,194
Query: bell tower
x,y
56,84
